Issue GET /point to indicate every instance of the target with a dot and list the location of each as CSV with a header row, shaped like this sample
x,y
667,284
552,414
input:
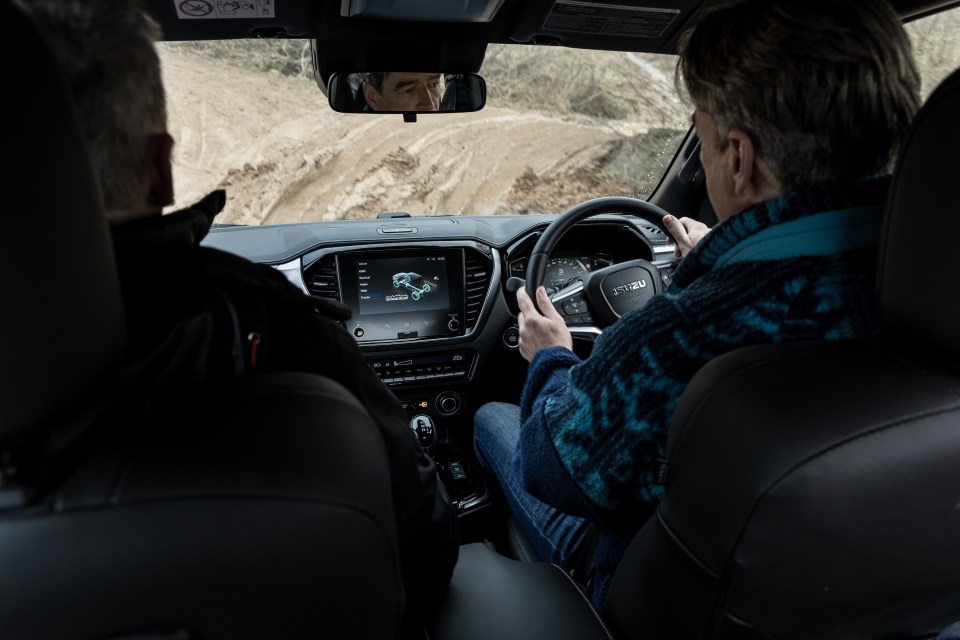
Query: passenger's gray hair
x,y
106,52
826,89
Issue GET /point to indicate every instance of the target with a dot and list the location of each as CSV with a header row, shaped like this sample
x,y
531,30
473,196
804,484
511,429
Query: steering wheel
x,y
600,297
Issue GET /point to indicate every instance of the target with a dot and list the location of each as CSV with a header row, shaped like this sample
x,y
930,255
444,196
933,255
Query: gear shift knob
x,y
422,425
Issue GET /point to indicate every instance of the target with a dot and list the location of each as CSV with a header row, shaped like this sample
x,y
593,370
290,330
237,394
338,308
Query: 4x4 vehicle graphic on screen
x,y
414,283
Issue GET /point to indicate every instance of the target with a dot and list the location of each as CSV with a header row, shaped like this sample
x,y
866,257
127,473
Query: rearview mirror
x,y
406,92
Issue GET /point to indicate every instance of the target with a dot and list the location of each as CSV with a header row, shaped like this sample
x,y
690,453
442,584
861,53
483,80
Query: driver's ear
x,y
741,156
752,180
371,95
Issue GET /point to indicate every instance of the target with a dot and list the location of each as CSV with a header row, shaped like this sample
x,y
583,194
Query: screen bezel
x,y
359,325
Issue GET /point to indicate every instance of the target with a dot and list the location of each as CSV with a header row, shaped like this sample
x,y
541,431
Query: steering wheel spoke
x,y
572,304
602,296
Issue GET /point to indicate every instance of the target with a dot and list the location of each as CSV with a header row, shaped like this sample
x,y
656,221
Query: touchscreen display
x,y
400,295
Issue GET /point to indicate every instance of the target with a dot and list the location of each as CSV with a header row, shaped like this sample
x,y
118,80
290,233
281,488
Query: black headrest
x,y
62,321
918,281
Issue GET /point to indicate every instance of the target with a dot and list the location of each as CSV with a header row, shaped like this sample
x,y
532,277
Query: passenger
x,y
800,107
184,302
402,91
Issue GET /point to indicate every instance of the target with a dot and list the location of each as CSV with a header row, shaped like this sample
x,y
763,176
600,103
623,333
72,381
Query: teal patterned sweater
x,y
594,429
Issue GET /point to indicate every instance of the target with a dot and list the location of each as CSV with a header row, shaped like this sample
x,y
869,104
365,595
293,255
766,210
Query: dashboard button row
x,y
425,377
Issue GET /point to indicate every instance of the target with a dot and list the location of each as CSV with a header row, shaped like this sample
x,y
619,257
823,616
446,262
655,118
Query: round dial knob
x,y
448,403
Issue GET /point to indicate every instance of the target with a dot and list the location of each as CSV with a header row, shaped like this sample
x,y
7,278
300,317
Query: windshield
x,y
560,126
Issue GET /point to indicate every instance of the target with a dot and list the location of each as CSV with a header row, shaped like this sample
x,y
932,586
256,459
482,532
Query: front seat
x,y
814,489
258,510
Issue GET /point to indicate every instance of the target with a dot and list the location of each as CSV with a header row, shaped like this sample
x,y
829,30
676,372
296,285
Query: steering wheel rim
x,y
537,263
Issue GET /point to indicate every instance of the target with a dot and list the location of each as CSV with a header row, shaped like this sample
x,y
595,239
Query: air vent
x,y
478,269
321,278
654,234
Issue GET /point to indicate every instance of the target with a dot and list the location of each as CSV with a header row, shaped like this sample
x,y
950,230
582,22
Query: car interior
x,y
812,488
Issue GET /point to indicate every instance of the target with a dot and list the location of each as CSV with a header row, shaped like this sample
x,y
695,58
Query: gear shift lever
x,y
422,425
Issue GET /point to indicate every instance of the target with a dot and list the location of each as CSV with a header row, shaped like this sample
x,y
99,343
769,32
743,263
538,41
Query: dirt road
x,y
284,156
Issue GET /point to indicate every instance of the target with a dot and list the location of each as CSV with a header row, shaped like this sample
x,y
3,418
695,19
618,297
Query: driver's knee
x,y
496,433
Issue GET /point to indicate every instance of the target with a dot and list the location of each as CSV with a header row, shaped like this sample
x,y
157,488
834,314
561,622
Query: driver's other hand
x,y
540,330
687,232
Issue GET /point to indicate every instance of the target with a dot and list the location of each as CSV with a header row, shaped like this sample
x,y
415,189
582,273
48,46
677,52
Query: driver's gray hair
x,y
105,50
375,79
826,89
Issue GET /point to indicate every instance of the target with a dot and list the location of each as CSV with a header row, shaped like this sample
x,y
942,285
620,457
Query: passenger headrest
x,y
918,280
62,323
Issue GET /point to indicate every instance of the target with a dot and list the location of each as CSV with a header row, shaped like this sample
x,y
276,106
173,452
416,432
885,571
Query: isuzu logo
x,y
630,286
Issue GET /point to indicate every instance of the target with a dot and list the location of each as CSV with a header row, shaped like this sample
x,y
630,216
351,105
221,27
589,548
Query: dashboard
x,y
418,280
429,306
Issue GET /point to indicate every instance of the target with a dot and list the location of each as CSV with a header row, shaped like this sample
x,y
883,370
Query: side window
x,y
936,47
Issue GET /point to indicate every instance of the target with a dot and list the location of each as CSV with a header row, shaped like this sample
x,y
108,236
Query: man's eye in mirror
x,y
405,92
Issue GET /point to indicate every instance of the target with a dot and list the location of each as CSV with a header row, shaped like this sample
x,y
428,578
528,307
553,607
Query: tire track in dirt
x,y
284,156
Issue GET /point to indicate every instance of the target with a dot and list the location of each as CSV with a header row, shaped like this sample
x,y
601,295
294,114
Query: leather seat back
x,y
265,512
62,315
813,487
259,510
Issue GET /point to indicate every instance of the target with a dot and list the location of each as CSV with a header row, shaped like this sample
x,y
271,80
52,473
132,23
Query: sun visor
x,y
422,10
209,20
626,25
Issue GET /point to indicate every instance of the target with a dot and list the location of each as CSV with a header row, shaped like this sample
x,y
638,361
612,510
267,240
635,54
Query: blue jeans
x,y
557,537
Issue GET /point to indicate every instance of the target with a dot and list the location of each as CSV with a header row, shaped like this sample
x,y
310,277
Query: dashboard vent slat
x,y
478,269
322,280
655,234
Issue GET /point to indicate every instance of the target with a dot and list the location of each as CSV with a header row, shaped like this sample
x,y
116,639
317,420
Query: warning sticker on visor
x,y
220,9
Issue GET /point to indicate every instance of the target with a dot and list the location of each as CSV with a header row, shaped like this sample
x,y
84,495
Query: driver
x,y
403,91
795,140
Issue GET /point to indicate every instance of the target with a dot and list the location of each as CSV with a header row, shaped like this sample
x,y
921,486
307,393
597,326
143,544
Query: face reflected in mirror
x,y
403,91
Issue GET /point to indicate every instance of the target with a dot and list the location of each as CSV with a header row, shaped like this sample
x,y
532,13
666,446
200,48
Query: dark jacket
x,y
197,315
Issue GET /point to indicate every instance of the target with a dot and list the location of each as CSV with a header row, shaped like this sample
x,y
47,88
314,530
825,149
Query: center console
x,y
413,310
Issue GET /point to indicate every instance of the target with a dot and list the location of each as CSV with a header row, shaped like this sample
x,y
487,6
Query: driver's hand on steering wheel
x,y
687,232
540,330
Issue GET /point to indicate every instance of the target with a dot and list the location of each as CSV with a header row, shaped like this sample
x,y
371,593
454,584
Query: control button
x,y
358,332
456,470
574,305
448,403
511,337
666,274
453,325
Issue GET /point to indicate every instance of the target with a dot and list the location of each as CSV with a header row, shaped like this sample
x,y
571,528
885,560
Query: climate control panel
x,y
430,368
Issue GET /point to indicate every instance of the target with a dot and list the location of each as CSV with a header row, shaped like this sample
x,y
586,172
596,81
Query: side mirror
x,y
406,92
